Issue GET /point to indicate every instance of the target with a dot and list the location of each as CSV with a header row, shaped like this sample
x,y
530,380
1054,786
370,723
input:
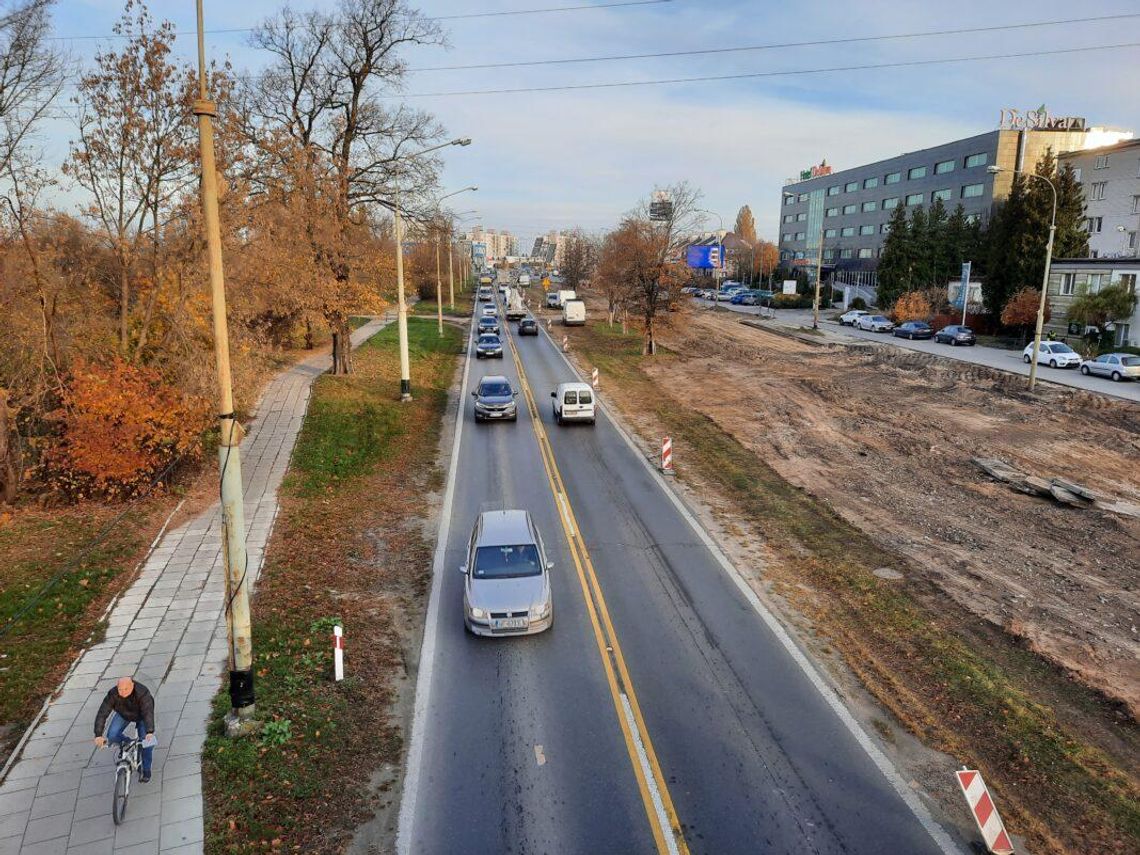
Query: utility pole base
x,y
405,390
241,722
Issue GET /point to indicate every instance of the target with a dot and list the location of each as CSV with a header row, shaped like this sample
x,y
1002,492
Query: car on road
x,y
495,399
1117,366
913,330
573,402
1055,354
528,326
506,578
489,346
488,325
485,294
756,297
488,311
848,319
552,300
955,334
874,323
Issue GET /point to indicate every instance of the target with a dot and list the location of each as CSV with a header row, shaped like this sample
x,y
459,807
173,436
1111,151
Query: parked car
x,y
506,577
1055,354
573,402
573,313
848,319
552,300
955,334
489,346
738,298
488,324
495,399
690,289
528,326
874,323
1118,366
913,330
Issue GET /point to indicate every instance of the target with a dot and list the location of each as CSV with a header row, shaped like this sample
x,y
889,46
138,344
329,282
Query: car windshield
x,y
495,390
506,562
488,339
1059,348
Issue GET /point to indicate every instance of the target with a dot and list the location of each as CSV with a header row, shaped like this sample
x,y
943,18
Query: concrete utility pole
x,y
438,286
229,456
401,303
438,236
450,273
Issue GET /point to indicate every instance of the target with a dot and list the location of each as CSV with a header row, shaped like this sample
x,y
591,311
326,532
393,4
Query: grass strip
x,y
347,547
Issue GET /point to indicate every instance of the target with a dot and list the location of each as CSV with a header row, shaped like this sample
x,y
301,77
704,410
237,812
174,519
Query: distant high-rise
x,y
499,244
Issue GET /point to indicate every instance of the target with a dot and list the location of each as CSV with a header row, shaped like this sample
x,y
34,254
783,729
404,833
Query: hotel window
x,y
829,232
789,200
870,182
885,229
799,254
892,178
1094,225
845,253
971,191
1068,281
1097,191
833,190
1098,281
945,195
870,206
916,172
849,209
1136,204
1077,175
851,186
800,235
1132,240
803,197
833,212
980,159
828,254
1101,161
789,218
865,252
890,203
786,237
943,167
1128,280
914,199
801,217
848,231
866,230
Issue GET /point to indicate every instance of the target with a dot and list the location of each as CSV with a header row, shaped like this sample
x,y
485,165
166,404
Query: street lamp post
x,y
451,281
993,170
720,239
401,303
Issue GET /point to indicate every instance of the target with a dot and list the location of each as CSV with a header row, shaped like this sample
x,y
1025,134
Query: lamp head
x,y
994,169
462,141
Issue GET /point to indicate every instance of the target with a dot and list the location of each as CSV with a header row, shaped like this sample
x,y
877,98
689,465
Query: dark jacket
x,y
137,706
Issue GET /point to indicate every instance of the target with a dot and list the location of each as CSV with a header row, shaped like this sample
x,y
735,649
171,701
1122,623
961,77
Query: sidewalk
x,y
169,632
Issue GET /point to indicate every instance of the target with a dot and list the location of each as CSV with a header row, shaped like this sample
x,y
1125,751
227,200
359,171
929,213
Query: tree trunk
x,y
345,346
308,333
8,469
124,304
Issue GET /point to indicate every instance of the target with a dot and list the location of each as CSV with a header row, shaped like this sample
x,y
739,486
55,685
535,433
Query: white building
x,y
1110,177
500,244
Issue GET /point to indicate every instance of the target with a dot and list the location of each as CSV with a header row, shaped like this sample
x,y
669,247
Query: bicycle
x,y
126,762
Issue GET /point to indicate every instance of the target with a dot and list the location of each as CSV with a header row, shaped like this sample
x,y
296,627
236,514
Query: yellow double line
x,y
654,792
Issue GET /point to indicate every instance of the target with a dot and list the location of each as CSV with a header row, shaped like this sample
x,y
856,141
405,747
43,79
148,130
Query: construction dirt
x,y
886,437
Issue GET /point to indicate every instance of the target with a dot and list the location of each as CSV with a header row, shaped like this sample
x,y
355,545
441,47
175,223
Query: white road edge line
x,y
406,820
650,781
829,693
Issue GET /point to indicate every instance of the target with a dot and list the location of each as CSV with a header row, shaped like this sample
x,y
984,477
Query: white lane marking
x,y
405,824
828,692
566,515
539,757
650,780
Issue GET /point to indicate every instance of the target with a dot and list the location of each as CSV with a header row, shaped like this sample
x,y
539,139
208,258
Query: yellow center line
x,y
650,781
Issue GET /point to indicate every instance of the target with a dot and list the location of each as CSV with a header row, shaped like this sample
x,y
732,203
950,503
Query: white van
x,y
524,281
574,313
573,402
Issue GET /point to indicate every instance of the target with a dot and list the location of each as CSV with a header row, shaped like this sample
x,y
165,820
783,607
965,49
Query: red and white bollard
x,y
984,811
338,653
594,379
565,344
667,456
548,324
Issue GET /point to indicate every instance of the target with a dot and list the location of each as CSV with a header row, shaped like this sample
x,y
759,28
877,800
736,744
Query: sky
x,y
581,158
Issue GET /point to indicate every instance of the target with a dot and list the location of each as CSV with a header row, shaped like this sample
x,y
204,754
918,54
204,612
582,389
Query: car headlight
x,y
542,610
478,613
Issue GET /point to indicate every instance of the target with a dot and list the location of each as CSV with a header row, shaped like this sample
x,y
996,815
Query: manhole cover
x,y
887,573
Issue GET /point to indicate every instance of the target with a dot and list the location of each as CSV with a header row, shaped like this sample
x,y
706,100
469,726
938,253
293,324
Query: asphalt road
x,y
993,357
522,745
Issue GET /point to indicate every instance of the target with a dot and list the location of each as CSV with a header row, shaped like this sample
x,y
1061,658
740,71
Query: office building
x,y
849,210
498,244
1110,177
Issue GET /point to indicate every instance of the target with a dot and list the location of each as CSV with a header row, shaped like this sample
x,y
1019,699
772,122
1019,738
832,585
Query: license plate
x,y
509,623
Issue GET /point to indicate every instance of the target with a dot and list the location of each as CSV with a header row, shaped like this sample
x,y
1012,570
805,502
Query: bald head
x,y
125,686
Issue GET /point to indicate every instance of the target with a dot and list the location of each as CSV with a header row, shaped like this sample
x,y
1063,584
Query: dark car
x,y
488,325
528,326
495,399
913,329
955,335
489,346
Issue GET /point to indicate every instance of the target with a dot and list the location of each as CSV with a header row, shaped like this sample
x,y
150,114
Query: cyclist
x,y
128,702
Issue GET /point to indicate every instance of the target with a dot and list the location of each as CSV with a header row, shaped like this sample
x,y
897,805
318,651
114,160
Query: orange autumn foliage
x,y
911,306
120,427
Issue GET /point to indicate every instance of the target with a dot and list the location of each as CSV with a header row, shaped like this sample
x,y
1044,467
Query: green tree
x,y
1005,249
1111,303
894,271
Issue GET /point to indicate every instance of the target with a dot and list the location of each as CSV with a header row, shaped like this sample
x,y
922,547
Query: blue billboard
x,y
703,257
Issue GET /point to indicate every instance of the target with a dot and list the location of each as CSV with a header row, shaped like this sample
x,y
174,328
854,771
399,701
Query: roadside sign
x,y
984,811
789,286
667,455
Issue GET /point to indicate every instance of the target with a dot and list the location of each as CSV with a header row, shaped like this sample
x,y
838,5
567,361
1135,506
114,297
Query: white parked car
x,y
848,319
1118,366
1055,354
874,323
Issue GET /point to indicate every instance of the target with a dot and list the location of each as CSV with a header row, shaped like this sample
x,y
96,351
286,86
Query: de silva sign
x,y
1038,120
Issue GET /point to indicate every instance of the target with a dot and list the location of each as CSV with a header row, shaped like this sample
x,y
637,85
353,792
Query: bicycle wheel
x,y
122,790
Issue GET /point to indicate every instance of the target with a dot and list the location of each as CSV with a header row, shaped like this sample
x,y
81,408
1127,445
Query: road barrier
x,y
338,653
594,379
667,456
565,344
984,811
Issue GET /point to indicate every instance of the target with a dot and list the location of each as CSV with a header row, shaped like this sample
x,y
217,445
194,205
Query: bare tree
x,y
579,259
31,73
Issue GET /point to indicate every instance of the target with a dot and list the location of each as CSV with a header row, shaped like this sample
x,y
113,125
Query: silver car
x,y
506,580
1118,366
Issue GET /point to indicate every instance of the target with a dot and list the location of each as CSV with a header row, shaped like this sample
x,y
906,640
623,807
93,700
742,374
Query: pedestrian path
x,y
168,631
